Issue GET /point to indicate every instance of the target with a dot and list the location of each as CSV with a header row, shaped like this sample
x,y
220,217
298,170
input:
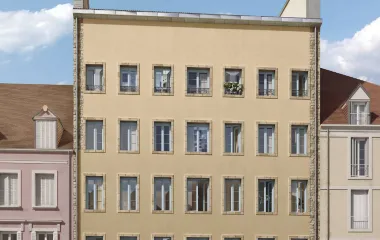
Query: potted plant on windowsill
x,y
233,88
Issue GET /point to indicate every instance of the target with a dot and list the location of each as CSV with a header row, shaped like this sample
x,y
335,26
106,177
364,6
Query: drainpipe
x,y
328,184
77,125
316,131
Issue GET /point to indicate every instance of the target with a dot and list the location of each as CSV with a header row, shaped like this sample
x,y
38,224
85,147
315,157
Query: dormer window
x,y
358,103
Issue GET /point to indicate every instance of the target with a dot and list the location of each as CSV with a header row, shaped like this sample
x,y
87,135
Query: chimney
x,y
85,4
302,9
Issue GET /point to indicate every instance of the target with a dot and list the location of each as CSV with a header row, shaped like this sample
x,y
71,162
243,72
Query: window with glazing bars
x,y
94,193
8,235
359,157
128,193
128,136
299,140
162,137
128,79
232,82
232,138
94,78
232,195
162,79
266,196
162,194
94,135
9,190
198,137
299,84
198,194
198,81
266,139
359,113
266,83
359,209
299,196
45,190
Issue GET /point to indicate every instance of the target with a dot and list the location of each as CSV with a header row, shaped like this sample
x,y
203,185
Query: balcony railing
x,y
359,223
195,90
129,88
94,87
359,170
267,92
162,89
300,93
360,118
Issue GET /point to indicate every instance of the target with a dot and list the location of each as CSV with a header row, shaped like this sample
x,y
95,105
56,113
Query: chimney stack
x,y
84,4
302,9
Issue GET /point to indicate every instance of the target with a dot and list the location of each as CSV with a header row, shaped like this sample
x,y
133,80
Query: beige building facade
x,y
194,126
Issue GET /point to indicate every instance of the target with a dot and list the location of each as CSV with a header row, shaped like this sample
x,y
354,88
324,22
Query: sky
x,y
36,36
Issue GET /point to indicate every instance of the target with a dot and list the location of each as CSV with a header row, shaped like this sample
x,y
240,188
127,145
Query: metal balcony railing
x,y
360,118
195,90
129,88
299,93
359,223
359,170
94,87
162,89
267,92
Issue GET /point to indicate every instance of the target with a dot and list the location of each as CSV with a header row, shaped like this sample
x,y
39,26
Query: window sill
x,y
360,178
233,95
299,155
360,230
266,154
233,154
300,98
233,213
94,92
199,212
198,95
129,93
299,214
94,211
163,152
266,97
198,153
128,211
266,213
162,212
163,94
128,152
94,151
10,208
45,208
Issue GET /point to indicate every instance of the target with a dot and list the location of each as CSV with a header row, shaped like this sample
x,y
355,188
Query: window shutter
x,y
34,235
55,235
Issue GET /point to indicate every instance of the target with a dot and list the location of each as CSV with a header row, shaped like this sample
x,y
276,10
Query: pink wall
x,y
27,162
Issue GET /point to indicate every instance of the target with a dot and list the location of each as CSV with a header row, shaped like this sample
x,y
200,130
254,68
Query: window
x,y
45,236
94,78
127,238
266,139
232,195
128,193
266,83
163,194
359,113
198,194
299,140
232,82
128,79
359,209
233,143
162,137
162,79
94,193
198,81
266,196
299,84
94,238
232,238
128,136
46,134
162,238
198,238
299,196
8,235
94,135
45,190
9,190
359,157
198,137
270,238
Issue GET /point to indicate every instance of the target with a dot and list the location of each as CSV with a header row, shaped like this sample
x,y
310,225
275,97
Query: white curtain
x,y
45,190
359,209
46,134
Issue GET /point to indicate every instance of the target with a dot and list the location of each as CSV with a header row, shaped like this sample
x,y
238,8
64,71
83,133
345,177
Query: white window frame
x,y
297,73
36,231
266,89
239,137
349,209
265,195
171,178
198,83
266,141
196,141
42,142
297,136
208,199
96,135
357,113
17,231
240,190
129,201
19,181
369,148
306,197
54,172
162,125
96,209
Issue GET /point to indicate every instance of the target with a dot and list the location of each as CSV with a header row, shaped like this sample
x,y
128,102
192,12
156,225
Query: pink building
x,y
36,143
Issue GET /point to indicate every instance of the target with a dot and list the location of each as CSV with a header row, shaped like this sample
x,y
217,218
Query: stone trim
x,y
209,122
305,124
265,236
131,175
275,190
137,132
171,176
309,90
163,235
93,174
258,69
209,177
210,68
275,154
295,237
84,74
241,178
242,81
171,121
83,126
171,66
125,64
127,235
209,236
93,234
308,202
241,123
225,236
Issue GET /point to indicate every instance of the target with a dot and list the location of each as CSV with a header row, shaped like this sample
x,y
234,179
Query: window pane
x,y
266,195
97,238
94,135
128,193
94,193
232,195
299,196
197,194
232,76
162,194
128,136
197,238
162,238
197,137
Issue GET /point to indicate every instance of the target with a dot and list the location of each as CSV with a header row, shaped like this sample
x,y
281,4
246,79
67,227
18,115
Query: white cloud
x,y
25,31
62,83
358,56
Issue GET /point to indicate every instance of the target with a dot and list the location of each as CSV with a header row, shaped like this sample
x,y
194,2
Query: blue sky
x,y
350,33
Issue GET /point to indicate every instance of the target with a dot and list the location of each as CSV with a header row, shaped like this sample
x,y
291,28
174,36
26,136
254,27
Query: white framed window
x,y
94,135
266,83
163,191
94,78
266,195
10,188
359,157
45,189
359,112
198,80
128,79
360,207
162,76
266,139
128,136
9,236
232,195
198,137
45,236
95,194
198,194
299,196
129,190
300,84
233,139
162,137
46,134
299,140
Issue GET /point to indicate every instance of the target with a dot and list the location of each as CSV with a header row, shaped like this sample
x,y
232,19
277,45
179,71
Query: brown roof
x,y
336,89
19,103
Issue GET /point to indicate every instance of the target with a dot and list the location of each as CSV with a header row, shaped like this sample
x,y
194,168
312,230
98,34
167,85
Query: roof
x,y
336,90
19,103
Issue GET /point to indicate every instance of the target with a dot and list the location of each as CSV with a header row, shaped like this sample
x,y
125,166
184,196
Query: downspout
x,y
316,131
328,184
76,97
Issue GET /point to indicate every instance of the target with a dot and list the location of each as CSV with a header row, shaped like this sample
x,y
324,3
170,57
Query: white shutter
x,y
34,235
55,235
